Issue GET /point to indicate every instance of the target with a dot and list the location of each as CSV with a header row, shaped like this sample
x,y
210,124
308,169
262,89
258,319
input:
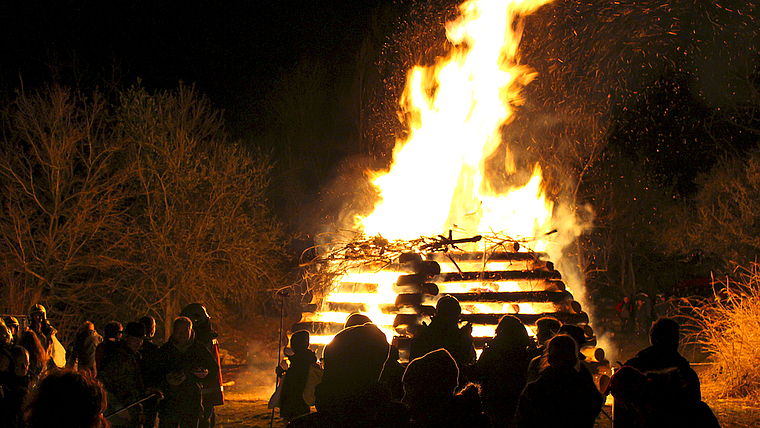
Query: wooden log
x,y
318,327
428,288
593,354
576,307
355,287
503,275
554,285
514,296
527,319
588,330
479,256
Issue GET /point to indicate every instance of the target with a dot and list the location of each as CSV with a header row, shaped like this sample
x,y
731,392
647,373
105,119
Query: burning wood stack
x,y
400,293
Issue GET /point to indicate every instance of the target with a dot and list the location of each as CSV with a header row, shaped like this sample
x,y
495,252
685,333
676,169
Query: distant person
x,y
562,396
643,314
292,403
14,327
6,361
111,335
546,328
81,355
121,376
502,368
212,392
39,324
625,313
150,370
658,387
184,362
444,332
350,394
67,399
430,383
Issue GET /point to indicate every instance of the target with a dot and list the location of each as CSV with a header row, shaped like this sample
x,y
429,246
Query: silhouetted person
x,y
81,353
562,396
150,370
444,332
430,383
111,336
292,403
184,362
393,372
546,328
625,313
356,319
502,369
121,376
67,399
16,383
350,394
212,392
658,387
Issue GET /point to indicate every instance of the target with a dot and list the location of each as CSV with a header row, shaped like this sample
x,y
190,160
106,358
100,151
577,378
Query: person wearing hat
x,y
13,326
444,332
213,392
119,371
300,359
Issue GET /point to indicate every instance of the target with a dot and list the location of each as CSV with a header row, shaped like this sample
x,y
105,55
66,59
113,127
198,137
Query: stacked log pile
x,y
487,285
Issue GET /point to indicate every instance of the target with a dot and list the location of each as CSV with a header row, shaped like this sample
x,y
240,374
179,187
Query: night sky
x,y
651,68
232,50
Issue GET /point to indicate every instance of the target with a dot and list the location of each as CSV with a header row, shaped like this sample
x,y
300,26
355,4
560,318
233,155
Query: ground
x,y
251,381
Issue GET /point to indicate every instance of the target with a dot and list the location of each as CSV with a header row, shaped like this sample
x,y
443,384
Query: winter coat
x,y
292,403
561,397
187,359
501,371
439,334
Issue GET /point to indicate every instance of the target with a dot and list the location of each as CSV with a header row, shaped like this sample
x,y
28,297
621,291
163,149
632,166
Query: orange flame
x,y
457,108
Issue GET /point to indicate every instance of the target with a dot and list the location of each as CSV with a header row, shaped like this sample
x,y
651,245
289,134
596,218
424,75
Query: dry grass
x,y
728,329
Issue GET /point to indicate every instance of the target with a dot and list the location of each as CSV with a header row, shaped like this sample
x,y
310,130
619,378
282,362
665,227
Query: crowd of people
x,y
120,379
517,381
124,379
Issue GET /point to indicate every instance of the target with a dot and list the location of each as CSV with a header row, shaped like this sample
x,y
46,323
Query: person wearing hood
x,y
212,392
430,383
563,395
292,403
350,394
81,353
502,369
183,364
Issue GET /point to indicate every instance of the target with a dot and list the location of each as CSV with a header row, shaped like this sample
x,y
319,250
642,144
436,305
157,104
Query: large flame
x,y
457,109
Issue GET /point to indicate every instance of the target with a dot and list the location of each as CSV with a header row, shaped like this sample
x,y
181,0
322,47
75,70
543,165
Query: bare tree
x,y
63,197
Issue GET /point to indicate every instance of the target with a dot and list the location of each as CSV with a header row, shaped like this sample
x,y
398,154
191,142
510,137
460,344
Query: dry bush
x,y
728,328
